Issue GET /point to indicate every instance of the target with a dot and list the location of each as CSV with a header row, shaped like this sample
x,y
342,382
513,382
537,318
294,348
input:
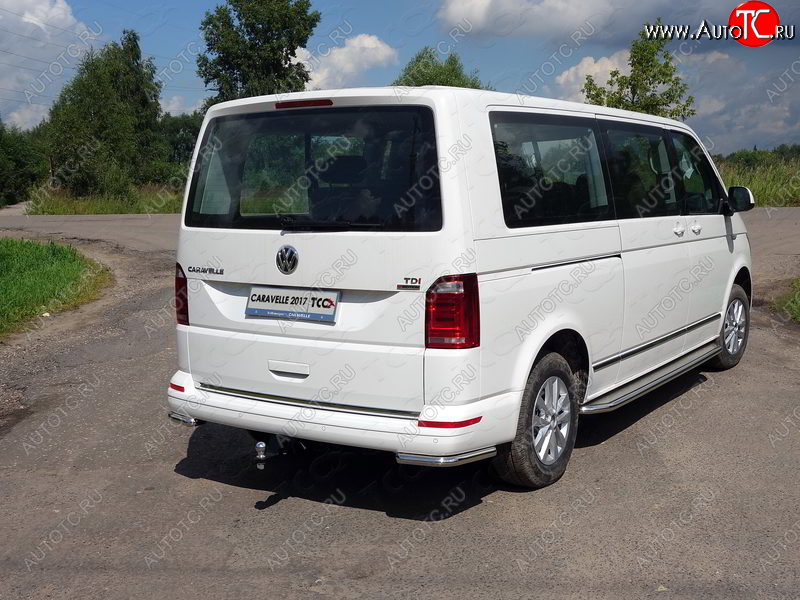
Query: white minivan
x,y
449,274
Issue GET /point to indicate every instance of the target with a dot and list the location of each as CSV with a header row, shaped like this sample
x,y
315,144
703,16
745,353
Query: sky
x,y
745,96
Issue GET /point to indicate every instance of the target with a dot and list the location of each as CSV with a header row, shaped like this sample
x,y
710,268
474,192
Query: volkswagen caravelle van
x,y
447,274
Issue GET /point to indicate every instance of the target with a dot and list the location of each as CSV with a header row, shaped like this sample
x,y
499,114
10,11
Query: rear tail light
x,y
176,387
452,313
181,296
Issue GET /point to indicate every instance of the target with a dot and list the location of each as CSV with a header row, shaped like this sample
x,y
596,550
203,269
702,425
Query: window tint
x,y
639,168
361,168
549,169
696,175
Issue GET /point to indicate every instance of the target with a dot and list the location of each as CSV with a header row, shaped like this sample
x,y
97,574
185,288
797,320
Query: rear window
x,y
316,169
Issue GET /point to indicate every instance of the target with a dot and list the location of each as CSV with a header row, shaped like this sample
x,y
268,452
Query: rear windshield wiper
x,y
292,224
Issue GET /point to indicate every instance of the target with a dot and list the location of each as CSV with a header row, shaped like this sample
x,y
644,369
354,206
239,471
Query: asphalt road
x,y
691,492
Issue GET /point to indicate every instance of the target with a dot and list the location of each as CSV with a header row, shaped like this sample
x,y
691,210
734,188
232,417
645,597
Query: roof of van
x,y
474,97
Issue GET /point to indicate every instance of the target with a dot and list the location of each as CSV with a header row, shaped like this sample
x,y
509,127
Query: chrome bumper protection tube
x,y
184,420
445,461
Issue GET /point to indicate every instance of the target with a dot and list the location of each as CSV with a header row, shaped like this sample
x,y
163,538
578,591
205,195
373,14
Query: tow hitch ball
x,y
261,455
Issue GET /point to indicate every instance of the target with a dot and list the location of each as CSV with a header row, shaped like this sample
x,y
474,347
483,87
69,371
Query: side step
x,y
648,382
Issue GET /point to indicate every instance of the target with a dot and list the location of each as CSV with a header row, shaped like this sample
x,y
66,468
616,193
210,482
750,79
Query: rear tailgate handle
x,y
282,368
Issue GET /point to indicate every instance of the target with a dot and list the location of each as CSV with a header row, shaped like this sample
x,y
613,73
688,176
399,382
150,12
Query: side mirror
x,y
740,199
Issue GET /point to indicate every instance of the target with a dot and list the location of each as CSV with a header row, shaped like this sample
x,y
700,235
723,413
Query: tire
x,y
518,462
735,322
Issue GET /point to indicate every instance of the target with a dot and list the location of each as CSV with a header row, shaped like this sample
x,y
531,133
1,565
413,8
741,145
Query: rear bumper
x,y
401,435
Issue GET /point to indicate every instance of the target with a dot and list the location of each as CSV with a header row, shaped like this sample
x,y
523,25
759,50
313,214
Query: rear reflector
x,y
303,103
449,424
452,313
181,297
176,387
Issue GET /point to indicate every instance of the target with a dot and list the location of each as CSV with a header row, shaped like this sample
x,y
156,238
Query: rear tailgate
x,y
371,356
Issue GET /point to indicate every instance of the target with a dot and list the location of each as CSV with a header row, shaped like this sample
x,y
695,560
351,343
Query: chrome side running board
x,y
445,461
184,419
648,382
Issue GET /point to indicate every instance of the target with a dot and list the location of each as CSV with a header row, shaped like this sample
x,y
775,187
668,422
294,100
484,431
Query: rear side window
x,y
640,172
698,181
372,168
549,169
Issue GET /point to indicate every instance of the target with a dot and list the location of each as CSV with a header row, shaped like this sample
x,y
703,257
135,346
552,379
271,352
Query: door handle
x,y
288,370
679,230
697,228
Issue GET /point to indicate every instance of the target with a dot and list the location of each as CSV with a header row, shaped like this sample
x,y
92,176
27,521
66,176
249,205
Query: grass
x,y
790,303
39,278
771,182
146,200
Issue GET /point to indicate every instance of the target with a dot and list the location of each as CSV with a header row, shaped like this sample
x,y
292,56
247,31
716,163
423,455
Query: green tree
x,y
251,45
111,106
426,68
21,165
180,133
654,85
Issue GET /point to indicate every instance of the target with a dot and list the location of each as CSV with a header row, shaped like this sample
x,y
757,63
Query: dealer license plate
x,y
294,304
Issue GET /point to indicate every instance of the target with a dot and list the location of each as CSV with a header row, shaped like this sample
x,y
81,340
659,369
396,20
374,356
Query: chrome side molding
x,y
605,362
445,461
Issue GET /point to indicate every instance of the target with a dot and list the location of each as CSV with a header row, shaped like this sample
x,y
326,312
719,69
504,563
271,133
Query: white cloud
x,y
57,12
344,64
708,105
732,107
27,115
177,105
520,17
18,74
571,81
558,19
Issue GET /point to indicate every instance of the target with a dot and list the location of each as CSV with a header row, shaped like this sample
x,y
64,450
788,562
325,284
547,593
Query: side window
x,y
696,175
549,169
639,168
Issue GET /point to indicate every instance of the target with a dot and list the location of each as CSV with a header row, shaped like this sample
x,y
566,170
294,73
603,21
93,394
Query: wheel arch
x,y
570,343
744,279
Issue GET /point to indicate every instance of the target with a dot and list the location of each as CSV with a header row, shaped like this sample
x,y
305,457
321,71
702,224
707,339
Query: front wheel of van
x,y
546,429
735,330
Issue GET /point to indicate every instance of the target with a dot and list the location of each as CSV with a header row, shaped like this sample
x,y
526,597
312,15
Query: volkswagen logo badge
x,y
286,260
